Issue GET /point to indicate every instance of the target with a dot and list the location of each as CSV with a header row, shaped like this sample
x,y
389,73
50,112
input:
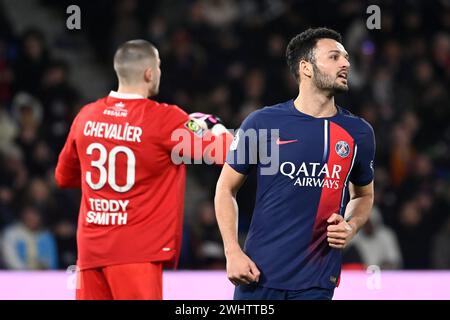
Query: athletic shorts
x,y
255,292
134,281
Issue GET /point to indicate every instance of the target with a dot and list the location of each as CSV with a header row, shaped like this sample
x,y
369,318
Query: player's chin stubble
x,y
324,81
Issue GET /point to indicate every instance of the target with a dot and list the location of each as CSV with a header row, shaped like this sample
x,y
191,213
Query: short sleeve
x,y
174,121
243,153
363,169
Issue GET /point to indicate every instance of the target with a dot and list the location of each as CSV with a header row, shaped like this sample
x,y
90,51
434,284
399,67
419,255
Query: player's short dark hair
x,y
301,47
130,55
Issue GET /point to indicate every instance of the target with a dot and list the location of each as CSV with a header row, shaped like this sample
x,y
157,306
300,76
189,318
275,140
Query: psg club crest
x,y
342,149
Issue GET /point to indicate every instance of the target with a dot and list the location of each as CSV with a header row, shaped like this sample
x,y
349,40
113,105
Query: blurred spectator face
x,y
255,84
33,46
219,13
424,201
6,74
42,153
31,218
413,21
441,50
369,113
410,214
381,177
423,166
227,41
418,47
13,159
54,76
220,98
330,66
401,136
27,110
220,95
28,133
6,195
388,22
196,12
276,45
392,52
126,7
157,29
236,70
64,229
424,72
410,122
207,216
181,43
26,116
39,190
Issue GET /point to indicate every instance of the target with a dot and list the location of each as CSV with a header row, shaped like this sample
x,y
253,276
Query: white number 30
x,y
111,175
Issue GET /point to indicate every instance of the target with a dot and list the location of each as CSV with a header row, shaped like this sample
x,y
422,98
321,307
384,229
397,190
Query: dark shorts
x,y
256,292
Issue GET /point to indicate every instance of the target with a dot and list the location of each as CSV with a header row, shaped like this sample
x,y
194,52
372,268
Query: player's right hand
x,y
206,121
241,269
209,122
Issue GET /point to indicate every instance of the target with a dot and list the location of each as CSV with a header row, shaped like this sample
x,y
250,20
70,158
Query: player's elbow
x,y
59,181
219,192
224,192
64,183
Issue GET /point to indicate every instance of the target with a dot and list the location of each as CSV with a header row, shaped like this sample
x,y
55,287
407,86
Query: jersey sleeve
x,y
68,169
184,138
363,170
243,153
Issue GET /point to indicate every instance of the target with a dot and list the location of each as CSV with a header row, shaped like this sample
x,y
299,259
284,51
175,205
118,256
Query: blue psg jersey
x,y
304,165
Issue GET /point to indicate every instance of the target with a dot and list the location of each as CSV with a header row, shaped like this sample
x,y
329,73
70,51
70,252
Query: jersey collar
x,y
119,95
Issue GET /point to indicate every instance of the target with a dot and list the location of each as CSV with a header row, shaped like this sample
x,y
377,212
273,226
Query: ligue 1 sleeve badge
x,y
342,149
194,127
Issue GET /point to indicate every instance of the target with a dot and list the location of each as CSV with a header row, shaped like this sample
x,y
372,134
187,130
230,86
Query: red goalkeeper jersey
x,y
119,152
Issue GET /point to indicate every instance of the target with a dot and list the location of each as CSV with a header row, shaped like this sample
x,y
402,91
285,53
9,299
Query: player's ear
x,y
148,75
305,68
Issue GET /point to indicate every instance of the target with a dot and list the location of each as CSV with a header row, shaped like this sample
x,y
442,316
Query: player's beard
x,y
326,82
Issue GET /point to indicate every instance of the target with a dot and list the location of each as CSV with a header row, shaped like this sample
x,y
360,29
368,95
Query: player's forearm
x,y
227,217
215,150
358,211
67,177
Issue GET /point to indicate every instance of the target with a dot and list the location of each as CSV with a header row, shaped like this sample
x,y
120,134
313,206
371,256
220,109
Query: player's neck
x,y
315,103
133,90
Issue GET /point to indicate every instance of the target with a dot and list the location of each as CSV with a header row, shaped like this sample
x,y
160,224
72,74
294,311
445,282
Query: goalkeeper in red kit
x,y
120,152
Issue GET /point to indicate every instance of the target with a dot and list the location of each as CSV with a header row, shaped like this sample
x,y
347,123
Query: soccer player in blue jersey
x,y
319,194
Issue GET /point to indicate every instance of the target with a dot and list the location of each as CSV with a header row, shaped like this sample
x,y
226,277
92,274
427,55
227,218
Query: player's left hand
x,y
339,232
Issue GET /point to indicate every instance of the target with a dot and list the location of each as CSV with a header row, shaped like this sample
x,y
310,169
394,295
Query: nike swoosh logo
x,y
285,141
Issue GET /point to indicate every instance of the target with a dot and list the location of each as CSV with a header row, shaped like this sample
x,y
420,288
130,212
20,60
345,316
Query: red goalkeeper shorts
x,y
134,281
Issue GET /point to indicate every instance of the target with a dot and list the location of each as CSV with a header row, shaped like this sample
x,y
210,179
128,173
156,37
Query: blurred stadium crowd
x,y
227,57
